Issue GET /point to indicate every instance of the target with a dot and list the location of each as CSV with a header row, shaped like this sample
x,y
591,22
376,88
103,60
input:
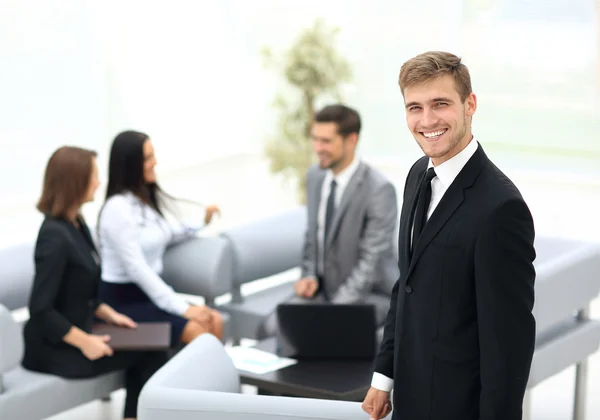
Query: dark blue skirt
x,y
130,300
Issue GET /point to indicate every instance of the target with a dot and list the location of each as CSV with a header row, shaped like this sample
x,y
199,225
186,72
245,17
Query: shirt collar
x,y
343,177
449,170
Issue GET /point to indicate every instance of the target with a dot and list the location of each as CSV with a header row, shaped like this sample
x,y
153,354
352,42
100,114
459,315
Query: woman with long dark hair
x,y
64,299
133,235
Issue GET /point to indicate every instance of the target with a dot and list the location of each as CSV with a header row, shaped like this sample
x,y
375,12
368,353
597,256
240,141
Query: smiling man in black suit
x,y
459,336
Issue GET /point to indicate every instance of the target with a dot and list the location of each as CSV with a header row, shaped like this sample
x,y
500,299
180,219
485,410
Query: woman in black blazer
x,y
63,302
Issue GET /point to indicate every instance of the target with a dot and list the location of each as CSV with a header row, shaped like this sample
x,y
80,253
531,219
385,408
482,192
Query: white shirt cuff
x,y
382,382
179,306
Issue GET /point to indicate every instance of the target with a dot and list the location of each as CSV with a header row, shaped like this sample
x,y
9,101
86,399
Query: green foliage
x,y
312,69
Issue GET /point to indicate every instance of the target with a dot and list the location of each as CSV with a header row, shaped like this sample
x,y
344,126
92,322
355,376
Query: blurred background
x,y
192,75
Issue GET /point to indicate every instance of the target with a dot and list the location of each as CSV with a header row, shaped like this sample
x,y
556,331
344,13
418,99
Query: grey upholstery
x,y
203,364
52,395
200,382
16,275
11,344
199,266
564,345
261,249
268,246
567,279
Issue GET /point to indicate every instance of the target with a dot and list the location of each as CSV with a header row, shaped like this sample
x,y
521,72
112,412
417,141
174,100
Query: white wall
x,y
52,89
189,74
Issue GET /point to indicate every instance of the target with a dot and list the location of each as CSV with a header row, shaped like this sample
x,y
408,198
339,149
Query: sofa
x,y
184,389
199,266
51,394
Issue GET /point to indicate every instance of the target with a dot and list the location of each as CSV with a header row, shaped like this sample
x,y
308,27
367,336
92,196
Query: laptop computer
x,y
326,331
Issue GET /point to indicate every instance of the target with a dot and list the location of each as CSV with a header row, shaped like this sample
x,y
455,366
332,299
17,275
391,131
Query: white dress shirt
x,y
133,238
445,173
342,180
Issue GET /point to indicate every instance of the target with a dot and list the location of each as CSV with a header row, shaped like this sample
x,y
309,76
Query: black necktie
x,y
423,204
330,207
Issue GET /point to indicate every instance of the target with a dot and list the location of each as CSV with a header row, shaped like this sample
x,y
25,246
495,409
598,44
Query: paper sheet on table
x,y
257,361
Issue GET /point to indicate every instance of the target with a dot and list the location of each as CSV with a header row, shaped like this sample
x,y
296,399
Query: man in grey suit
x,y
352,214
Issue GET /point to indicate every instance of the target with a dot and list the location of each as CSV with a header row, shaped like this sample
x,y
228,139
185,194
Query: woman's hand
x,y
109,315
210,211
201,314
95,347
122,320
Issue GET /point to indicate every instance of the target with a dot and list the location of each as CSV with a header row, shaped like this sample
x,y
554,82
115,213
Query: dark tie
x,y
330,208
423,204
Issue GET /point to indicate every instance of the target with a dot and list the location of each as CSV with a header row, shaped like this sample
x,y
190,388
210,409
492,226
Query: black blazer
x,y
64,294
459,336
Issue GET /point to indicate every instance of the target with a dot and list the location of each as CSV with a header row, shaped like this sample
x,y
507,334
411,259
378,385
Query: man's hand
x,y
306,287
377,404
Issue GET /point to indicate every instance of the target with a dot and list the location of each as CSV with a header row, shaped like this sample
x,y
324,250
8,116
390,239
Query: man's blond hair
x,y
432,65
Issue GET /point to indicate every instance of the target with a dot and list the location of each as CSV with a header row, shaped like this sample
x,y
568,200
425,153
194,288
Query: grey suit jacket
x,y
359,251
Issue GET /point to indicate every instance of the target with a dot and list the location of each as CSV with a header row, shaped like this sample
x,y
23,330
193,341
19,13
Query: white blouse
x,y
133,238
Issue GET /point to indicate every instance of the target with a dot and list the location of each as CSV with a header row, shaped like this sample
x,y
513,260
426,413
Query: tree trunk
x,y
309,104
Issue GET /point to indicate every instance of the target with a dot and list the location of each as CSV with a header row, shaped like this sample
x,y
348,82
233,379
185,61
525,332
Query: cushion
x,y
50,394
199,266
267,247
16,275
11,341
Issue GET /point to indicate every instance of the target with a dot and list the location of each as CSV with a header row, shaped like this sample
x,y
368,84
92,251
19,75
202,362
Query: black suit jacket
x,y
64,294
459,336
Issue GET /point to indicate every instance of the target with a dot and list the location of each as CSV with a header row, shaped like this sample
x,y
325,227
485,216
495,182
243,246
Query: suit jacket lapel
x,y
410,196
85,243
88,235
450,202
349,193
406,219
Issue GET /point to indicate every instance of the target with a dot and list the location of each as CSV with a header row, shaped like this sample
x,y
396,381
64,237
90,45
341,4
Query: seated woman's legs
x,y
192,330
139,367
217,324
137,375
